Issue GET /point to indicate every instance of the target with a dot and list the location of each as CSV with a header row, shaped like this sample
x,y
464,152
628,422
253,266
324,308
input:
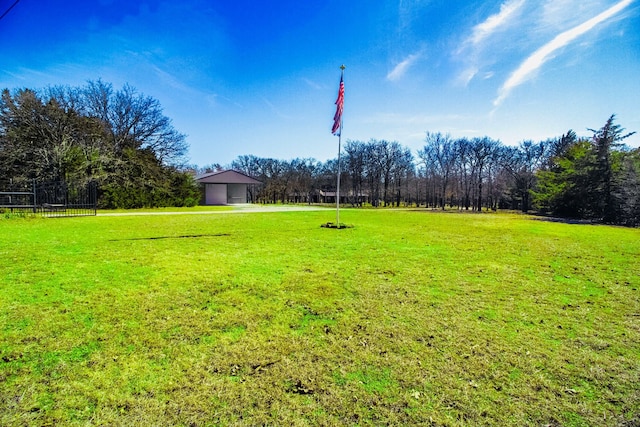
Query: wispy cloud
x,y
312,84
472,47
483,30
170,80
397,119
401,68
542,55
27,74
275,109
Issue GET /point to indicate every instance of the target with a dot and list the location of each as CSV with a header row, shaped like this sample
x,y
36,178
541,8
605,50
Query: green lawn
x,y
408,318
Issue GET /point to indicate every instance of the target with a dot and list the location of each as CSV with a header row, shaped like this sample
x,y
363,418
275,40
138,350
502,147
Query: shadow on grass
x,y
336,226
566,220
187,236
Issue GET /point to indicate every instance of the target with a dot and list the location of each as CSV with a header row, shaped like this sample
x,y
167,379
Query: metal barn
x,y
226,187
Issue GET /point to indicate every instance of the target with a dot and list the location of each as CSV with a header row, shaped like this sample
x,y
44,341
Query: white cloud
x,y
397,119
275,109
467,75
556,13
400,69
473,47
170,80
542,55
311,83
494,22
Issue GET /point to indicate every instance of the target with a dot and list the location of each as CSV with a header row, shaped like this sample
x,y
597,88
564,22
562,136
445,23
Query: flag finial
x,y
342,67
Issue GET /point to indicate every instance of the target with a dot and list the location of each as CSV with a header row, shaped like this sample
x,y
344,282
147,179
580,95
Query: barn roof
x,y
226,177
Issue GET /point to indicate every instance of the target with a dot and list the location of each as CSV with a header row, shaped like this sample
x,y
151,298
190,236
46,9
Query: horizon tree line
x,y
122,141
596,178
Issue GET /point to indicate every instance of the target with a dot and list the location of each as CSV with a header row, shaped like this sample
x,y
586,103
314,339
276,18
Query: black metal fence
x,y
51,199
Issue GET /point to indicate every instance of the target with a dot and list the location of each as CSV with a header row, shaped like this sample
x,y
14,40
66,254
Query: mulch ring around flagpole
x,y
337,226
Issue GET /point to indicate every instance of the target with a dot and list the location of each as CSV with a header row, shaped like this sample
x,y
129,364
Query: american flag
x,y
337,118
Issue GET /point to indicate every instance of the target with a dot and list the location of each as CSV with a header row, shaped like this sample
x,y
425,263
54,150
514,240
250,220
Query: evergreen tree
x,y
605,168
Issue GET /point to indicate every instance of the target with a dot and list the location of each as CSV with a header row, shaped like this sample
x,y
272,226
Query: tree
x,y
482,151
559,146
373,172
134,121
497,179
387,156
465,168
563,188
591,178
522,163
629,189
402,170
356,156
439,152
252,166
302,183
44,141
118,139
21,134
607,163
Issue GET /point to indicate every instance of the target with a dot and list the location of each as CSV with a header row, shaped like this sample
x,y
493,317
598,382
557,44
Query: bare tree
x,y
134,121
440,154
482,152
402,170
356,157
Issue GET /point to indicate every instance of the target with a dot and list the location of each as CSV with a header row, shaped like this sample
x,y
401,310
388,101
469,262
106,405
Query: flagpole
x,y
338,184
342,67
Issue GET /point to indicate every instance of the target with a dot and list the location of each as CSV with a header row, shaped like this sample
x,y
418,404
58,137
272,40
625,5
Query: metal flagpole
x,y
338,184
342,67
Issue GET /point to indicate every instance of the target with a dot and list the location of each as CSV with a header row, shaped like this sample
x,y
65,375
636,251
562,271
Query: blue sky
x,y
260,77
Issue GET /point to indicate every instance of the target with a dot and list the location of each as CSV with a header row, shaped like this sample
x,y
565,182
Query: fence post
x,y
34,195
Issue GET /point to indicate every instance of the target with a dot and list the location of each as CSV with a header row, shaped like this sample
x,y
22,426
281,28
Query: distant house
x,y
226,187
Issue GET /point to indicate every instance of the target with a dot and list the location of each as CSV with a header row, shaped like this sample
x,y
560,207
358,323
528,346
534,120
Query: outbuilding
x,y
225,187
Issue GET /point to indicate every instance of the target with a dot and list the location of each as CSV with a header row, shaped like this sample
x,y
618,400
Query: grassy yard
x,y
408,318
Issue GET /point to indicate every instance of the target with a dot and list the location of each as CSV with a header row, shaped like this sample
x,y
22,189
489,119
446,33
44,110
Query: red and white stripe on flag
x,y
337,118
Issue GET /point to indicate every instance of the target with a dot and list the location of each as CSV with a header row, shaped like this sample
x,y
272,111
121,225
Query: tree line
x,y
376,173
592,178
119,139
122,141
